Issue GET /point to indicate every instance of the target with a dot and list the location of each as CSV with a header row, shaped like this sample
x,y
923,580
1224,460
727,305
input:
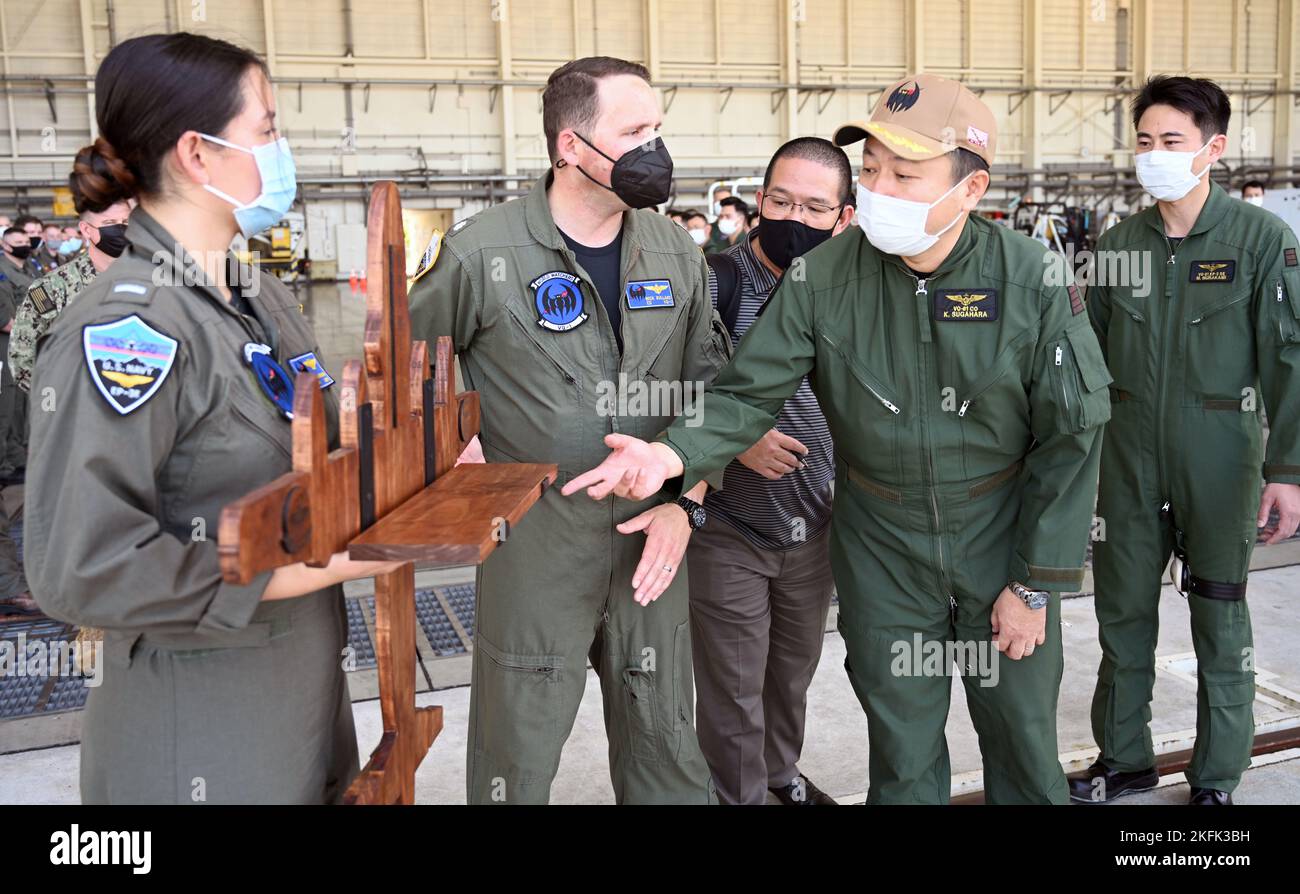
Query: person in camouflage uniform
x,y
44,300
102,227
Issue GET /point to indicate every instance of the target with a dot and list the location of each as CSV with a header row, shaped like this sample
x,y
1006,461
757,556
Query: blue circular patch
x,y
274,381
558,298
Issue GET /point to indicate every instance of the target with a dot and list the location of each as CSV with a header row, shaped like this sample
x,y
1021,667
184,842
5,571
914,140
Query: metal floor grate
x,y
363,649
23,695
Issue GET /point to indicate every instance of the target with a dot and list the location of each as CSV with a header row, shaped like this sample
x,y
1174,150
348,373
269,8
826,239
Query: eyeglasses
x,y
782,207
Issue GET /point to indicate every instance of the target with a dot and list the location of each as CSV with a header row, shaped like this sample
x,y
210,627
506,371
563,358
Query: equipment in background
x,y
1062,228
1285,203
741,187
281,250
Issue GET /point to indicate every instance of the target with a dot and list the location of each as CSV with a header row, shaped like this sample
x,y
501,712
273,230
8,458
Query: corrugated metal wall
x,y
1084,47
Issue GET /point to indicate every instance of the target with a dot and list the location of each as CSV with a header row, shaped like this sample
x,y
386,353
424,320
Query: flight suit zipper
x,y
1162,352
1060,374
546,352
863,377
1222,307
929,456
1281,316
994,373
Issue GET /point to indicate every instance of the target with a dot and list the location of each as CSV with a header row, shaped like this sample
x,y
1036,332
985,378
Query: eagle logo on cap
x,y
903,97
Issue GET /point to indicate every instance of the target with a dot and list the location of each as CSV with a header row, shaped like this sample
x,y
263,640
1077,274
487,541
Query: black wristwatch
x,y
695,514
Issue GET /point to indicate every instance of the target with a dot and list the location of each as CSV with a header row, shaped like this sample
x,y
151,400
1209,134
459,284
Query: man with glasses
x,y
760,567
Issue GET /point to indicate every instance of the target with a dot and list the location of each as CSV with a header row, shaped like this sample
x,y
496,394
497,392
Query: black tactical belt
x,y
1211,589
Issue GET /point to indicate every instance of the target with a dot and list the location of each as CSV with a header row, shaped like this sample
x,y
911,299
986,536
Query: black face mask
x,y
20,252
784,240
36,242
112,239
642,176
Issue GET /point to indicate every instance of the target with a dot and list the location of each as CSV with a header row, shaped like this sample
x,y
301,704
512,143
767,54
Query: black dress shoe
x,y
801,793
1210,796
1085,789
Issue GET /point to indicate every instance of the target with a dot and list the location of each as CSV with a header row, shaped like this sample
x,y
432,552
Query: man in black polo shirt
x,y
760,573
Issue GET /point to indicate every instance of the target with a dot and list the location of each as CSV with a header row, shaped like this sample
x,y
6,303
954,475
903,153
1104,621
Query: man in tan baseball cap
x,y
911,202
940,353
925,116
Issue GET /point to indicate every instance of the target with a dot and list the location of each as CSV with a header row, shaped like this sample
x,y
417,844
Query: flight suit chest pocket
x,y
238,447
1081,380
663,391
556,382
861,404
1129,341
1216,368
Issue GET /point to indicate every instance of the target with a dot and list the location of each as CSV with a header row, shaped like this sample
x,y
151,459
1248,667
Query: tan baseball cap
x,y
924,116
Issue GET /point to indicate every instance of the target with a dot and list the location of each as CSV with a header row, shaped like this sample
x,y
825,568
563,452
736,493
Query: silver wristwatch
x,y
1032,598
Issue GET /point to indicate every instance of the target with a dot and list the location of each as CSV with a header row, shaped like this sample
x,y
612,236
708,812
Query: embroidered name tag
x,y
647,293
966,305
1213,271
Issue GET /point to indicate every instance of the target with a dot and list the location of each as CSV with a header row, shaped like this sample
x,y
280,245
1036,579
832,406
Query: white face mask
x,y
727,226
1256,200
897,226
700,236
1167,175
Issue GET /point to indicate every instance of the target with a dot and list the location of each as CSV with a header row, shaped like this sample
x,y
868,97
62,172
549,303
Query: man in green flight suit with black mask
x,y
574,311
964,393
1192,353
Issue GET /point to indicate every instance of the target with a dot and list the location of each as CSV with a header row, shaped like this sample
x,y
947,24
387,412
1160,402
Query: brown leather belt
x,y
885,492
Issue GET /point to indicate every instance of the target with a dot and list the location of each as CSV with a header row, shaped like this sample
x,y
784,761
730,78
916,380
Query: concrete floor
x,y
835,751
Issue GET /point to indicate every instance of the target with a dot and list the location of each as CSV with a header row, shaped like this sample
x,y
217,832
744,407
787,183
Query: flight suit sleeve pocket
x,y
1287,306
1291,285
717,348
1092,407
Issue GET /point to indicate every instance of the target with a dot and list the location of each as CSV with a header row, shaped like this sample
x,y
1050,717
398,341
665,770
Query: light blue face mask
x,y
69,246
279,186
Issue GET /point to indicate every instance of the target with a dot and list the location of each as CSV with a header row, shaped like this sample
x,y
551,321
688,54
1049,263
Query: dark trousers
x,y
757,621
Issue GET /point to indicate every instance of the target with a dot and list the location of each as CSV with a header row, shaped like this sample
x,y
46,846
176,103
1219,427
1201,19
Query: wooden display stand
x,y
391,492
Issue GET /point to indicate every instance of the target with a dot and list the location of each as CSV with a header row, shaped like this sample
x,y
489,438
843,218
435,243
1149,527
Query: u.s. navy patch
x,y
965,305
309,363
558,298
430,256
645,293
1213,271
128,360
